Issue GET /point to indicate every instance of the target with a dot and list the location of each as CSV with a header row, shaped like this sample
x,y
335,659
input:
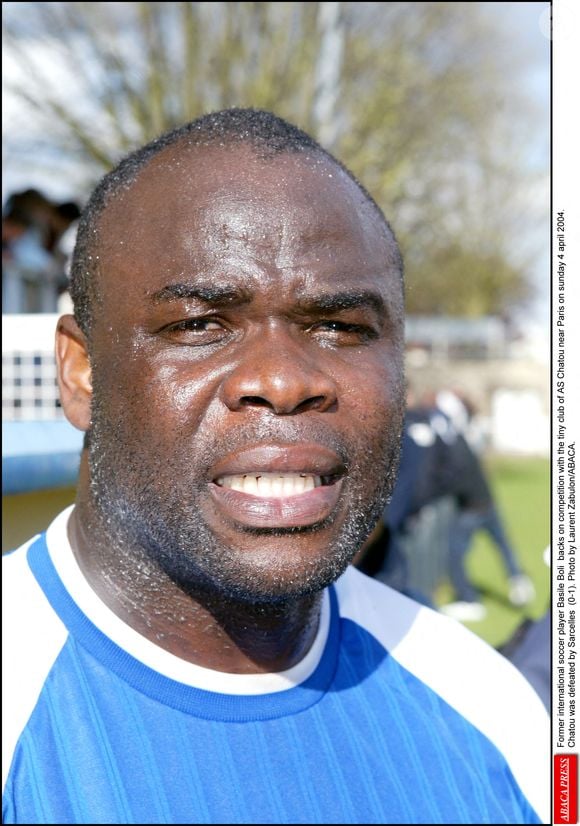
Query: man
x,y
477,511
188,643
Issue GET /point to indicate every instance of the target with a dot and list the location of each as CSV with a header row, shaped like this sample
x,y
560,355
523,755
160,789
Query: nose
x,y
275,372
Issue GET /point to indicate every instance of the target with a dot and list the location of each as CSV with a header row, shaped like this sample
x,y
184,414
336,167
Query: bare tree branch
x,y
421,101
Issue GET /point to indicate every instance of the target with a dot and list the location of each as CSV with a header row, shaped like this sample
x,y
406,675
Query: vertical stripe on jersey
x,y
192,788
152,771
104,755
340,787
263,756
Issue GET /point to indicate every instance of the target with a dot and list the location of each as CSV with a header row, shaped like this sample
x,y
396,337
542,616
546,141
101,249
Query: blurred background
x,y
440,108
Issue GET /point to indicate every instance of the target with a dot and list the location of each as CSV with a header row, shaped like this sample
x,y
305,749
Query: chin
x,y
282,589
280,564
277,570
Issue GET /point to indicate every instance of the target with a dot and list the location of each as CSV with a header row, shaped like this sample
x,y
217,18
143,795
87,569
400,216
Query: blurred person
x,y
27,267
65,225
421,483
13,228
189,642
68,214
450,402
477,511
438,464
461,413
33,262
34,206
529,649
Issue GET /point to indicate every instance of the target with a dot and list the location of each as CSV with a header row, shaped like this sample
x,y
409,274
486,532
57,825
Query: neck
x,y
201,626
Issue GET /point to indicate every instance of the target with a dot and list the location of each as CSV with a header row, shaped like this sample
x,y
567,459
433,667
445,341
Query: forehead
x,y
194,209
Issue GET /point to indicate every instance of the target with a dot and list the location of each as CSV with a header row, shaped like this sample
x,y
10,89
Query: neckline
x,y
163,676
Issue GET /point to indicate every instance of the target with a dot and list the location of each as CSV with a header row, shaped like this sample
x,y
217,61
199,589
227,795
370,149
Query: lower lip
x,y
297,511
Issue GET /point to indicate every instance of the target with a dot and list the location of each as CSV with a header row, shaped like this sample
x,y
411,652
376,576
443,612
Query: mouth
x,y
273,485
279,487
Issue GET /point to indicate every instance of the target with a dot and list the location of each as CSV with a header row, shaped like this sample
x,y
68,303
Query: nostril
x,y
255,400
296,389
313,403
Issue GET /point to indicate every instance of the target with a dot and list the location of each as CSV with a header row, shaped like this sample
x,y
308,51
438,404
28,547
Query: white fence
x,y
29,386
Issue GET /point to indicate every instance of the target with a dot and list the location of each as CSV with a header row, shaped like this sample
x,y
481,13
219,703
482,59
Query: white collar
x,y
159,659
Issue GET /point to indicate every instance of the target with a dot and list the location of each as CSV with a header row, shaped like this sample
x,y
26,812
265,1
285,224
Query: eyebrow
x,y
235,296
209,294
345,300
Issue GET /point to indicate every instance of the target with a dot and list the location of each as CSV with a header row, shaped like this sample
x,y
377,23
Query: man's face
x,y
247,370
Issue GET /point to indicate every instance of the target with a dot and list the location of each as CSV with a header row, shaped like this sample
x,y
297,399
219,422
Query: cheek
x,y
153,399
373,393
182,398
179,391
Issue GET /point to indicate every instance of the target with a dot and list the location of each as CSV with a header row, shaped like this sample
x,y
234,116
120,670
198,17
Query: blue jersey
x,y
396,715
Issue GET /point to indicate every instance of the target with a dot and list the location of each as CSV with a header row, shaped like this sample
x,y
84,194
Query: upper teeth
x,y
271,484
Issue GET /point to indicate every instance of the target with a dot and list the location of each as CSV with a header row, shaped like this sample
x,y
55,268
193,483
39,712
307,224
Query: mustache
x,y
275,430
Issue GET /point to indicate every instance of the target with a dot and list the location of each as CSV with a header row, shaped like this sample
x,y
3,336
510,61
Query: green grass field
x,y
522,490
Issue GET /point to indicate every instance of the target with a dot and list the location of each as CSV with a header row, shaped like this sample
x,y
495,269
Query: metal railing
x,y
29,385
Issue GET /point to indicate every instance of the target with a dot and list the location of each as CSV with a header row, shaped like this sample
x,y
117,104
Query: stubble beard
x,y
151,513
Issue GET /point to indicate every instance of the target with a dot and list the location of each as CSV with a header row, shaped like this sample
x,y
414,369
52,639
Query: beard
x,y
151,500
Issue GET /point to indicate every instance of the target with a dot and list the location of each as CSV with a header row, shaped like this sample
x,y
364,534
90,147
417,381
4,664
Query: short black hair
x,y
266,133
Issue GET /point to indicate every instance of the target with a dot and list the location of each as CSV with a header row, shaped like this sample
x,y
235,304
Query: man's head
x,y
239,357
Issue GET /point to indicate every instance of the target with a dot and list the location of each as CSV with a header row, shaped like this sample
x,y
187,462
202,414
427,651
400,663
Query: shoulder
x,y
441,652
32,637
466,672
21,593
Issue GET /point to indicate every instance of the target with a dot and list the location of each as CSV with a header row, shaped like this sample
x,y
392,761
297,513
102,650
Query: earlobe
x,y
74,372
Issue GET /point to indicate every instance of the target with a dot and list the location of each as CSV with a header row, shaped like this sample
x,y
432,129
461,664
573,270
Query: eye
x,y
342,332
196,331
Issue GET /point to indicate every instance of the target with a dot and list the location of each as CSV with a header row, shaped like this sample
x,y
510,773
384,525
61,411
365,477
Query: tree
x,y
420,100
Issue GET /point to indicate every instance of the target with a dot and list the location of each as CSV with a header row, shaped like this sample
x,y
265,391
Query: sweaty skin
x,y
248,325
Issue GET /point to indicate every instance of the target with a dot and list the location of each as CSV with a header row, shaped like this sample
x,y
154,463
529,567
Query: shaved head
x,y
268,135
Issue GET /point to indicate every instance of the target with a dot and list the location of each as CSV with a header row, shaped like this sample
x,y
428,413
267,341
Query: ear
x,y
74,372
